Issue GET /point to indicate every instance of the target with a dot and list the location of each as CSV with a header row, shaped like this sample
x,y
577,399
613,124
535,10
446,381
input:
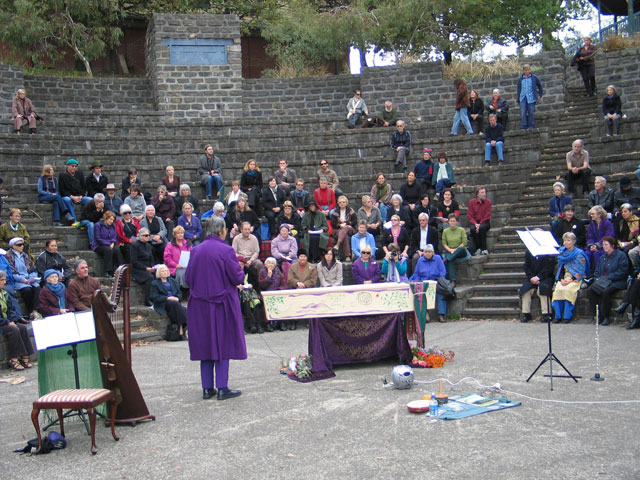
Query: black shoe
x,y
208,393
557,320
253,329
57,224
269,328
545,318
293,325
282,326
260,329
621,308
525,317
566,320
69,220
635,322
226,394
605,321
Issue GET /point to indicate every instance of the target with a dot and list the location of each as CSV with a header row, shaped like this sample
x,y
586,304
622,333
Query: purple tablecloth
x,y
343,340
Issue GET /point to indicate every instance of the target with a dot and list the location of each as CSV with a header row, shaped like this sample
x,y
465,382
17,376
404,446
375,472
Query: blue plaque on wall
x,y
198,52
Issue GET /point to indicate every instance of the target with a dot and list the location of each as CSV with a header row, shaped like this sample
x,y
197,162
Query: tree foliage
x,y
42,29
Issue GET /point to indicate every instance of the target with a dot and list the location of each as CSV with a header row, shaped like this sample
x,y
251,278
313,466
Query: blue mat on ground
x,y
457,408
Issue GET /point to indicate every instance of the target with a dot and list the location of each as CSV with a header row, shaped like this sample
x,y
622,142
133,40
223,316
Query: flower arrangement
x,y
299,367
430,357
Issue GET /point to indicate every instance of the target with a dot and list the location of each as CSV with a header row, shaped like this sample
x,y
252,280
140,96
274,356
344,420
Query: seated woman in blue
x,y
191,224
573,267
430,267
394,265
557,204
362,239
165,296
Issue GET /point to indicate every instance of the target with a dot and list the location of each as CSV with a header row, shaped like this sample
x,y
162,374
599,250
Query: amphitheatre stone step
x,y
501,266
496,289
503,276
485,301
495,313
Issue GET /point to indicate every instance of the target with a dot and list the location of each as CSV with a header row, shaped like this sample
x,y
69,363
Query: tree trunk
x,y
87,65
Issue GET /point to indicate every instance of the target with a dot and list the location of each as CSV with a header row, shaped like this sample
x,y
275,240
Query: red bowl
x,y
418,406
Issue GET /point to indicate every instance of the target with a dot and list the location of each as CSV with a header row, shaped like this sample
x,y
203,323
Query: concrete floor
x,y
352,427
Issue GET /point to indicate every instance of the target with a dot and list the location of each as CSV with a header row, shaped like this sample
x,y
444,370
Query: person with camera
x,y
394,265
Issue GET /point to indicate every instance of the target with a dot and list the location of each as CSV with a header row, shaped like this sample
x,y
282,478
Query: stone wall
x,y
195,91
622,69
323,96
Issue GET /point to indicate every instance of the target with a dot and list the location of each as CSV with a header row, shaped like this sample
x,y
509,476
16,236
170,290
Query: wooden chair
x,y
76,399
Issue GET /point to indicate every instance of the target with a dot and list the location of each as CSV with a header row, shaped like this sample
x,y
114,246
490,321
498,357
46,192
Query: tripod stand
x,y
551,357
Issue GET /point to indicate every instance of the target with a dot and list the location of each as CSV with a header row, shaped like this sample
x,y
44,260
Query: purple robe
x,y
594,236
361,274
214,316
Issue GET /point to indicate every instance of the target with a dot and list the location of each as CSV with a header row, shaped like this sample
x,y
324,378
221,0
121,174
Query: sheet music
x,y
64,329
184,259
539,242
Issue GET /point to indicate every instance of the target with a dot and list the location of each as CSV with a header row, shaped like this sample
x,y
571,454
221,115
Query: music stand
x,y
541,243
66,329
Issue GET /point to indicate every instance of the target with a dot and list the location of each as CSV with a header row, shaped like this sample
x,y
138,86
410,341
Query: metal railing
x,y
622,27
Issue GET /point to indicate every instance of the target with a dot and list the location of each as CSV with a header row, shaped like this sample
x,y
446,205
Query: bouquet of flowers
x,y
299,367
430,357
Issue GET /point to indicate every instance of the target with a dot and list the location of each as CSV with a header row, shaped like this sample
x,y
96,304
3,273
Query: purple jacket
x,y
595,234
104,235
361,274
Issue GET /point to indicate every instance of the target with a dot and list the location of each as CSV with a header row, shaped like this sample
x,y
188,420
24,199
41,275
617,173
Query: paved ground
x,y
351,427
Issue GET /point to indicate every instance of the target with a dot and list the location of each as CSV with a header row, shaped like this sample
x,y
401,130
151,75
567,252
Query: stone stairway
x,y
496,294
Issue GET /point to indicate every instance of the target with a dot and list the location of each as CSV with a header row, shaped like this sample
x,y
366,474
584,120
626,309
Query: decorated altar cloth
x,y
366,338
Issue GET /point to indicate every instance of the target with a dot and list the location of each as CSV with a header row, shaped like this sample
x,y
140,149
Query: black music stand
x,y
70,329
541,243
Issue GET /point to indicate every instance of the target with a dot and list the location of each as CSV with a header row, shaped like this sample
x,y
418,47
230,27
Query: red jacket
x,y
325,198
479,212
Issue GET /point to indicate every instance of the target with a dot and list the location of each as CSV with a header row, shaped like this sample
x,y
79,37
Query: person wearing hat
x,y
442,175
25,275
288,217
112,201
54,298
424,168
96,182
49,192
314,231
72,183
626,194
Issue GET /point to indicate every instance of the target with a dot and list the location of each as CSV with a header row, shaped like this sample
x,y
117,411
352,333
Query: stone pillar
x,y
194,65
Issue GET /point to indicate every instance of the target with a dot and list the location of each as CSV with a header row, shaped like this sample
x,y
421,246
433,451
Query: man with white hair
x,y
421,236
601,195
577,167
22,112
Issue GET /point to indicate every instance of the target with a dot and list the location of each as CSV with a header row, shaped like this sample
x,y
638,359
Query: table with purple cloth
x,y
366,338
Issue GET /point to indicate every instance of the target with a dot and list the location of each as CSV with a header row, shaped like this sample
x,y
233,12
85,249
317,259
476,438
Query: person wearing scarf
x,y
53,296
573,267
500,107
394,265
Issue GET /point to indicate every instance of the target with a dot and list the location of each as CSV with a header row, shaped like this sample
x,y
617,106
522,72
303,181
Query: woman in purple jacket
x,y
365,269
105,243
599,227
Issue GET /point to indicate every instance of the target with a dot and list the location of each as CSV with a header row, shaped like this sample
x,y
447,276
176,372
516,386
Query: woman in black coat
x,y
612,111
476,111
251,183
631,297
142,263
540,275
166,295
397,208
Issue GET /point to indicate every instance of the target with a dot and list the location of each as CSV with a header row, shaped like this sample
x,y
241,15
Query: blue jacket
x,y
401,139
355,245
424,170
615,267
429,269
536,83
553,204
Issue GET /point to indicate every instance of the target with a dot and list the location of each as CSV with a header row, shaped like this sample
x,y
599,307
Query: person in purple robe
x,y
365,269
214,316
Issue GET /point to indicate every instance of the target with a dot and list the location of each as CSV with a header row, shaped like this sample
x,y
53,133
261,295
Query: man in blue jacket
x,y
529,92
429,267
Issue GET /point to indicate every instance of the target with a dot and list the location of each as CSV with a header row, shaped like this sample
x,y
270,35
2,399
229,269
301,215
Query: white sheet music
x,y
539,242
64,329
184,259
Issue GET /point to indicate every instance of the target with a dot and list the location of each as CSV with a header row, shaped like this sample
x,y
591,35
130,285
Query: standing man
x,y
494,136
578,168
479,215
356,108
332,177
96,182
72,184
401,145
529,92
210,171
585,58
285,177
214,316
23,112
